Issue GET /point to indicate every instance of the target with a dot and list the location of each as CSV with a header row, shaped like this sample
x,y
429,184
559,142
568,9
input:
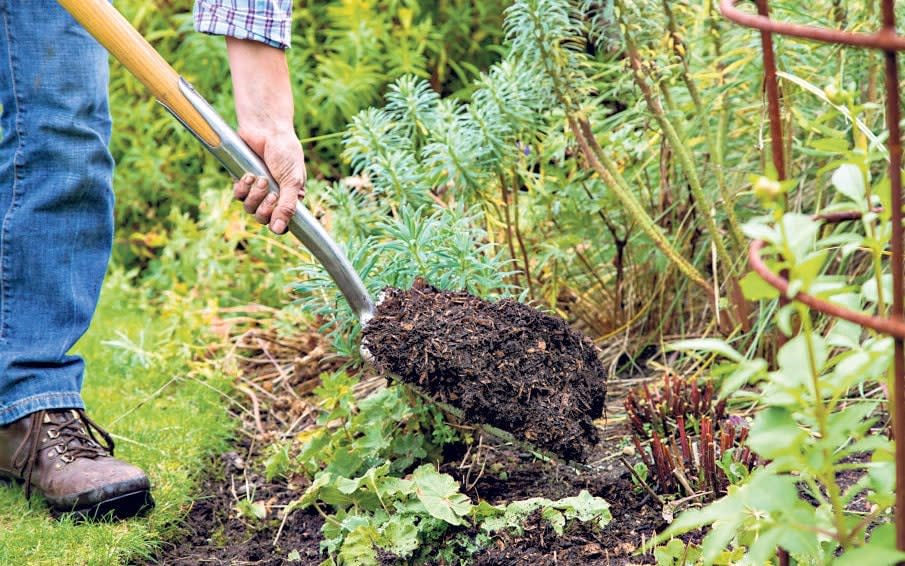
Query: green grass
x,y
164,418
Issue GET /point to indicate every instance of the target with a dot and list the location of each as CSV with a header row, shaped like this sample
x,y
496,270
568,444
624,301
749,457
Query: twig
x,y
641,481
255,407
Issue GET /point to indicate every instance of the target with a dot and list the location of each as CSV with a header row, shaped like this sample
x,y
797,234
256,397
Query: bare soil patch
x,y
217,532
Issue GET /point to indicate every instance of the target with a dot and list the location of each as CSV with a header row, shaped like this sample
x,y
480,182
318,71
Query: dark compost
x,y
501,363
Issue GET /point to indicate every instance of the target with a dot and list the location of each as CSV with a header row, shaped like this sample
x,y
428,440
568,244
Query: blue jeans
x,y
56,202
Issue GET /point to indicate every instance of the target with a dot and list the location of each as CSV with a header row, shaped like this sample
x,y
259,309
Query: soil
x,y
216,532
504,364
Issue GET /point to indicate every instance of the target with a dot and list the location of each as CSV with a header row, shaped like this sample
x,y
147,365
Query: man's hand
x,y
265,110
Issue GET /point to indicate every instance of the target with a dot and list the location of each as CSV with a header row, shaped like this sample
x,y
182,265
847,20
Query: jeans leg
x,y
56,202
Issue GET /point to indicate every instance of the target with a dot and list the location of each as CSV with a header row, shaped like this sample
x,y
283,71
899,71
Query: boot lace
x,y
71,433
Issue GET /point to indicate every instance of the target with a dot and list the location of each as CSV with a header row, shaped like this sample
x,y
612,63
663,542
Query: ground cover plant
x,y
603,161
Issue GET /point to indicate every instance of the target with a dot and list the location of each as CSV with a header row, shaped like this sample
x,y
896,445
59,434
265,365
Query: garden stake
x,y
890,43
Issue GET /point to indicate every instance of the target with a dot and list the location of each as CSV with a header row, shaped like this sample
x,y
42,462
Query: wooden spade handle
x,y
123,41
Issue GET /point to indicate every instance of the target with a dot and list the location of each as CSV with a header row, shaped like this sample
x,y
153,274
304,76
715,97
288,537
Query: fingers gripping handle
x,y
239,159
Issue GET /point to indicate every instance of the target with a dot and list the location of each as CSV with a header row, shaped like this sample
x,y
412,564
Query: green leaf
x,y
800,230
794,357
278,463
831,145
439,493
849,180
585,507
872,554
358,547
808,269
313,492
869,289
556,519
775,433
743,374
756,289
399,535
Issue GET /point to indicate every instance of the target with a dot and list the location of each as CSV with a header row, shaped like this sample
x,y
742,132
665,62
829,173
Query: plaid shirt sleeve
x,y
267,21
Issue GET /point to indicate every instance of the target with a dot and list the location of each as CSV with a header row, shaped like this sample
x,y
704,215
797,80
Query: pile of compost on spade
x,y
503,364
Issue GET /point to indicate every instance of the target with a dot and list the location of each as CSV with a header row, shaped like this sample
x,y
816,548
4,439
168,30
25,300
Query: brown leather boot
x,y
58,453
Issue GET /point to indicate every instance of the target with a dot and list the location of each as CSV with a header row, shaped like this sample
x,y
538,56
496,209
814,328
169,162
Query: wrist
x,y
262,89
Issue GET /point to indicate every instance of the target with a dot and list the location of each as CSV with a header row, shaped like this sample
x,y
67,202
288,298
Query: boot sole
x,y
134,504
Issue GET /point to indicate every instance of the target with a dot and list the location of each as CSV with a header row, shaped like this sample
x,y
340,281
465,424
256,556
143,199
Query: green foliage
x,y
344,54
445,245
388,425
166,412
816,422
376,482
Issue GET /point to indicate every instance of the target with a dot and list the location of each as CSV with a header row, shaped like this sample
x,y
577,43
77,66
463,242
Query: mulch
x,y
502,363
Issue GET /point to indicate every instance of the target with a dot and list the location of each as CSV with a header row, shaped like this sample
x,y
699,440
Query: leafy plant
x,y
811,428
375,485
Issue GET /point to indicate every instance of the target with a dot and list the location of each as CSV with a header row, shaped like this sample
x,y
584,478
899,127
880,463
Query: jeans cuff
x,y
34,403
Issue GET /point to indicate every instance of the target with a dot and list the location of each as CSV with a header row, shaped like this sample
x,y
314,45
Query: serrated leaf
x,y
585,507
399,535
358,547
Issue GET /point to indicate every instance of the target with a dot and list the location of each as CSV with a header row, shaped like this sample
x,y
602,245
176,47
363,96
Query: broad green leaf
x,y
775,433
439,493
872,554
784,319
849,181
313,492
833,145
556,519
801,230
869,289
809,268
399,535
755,288
795,357
585,507
514,514
358,547
743,374
761,231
